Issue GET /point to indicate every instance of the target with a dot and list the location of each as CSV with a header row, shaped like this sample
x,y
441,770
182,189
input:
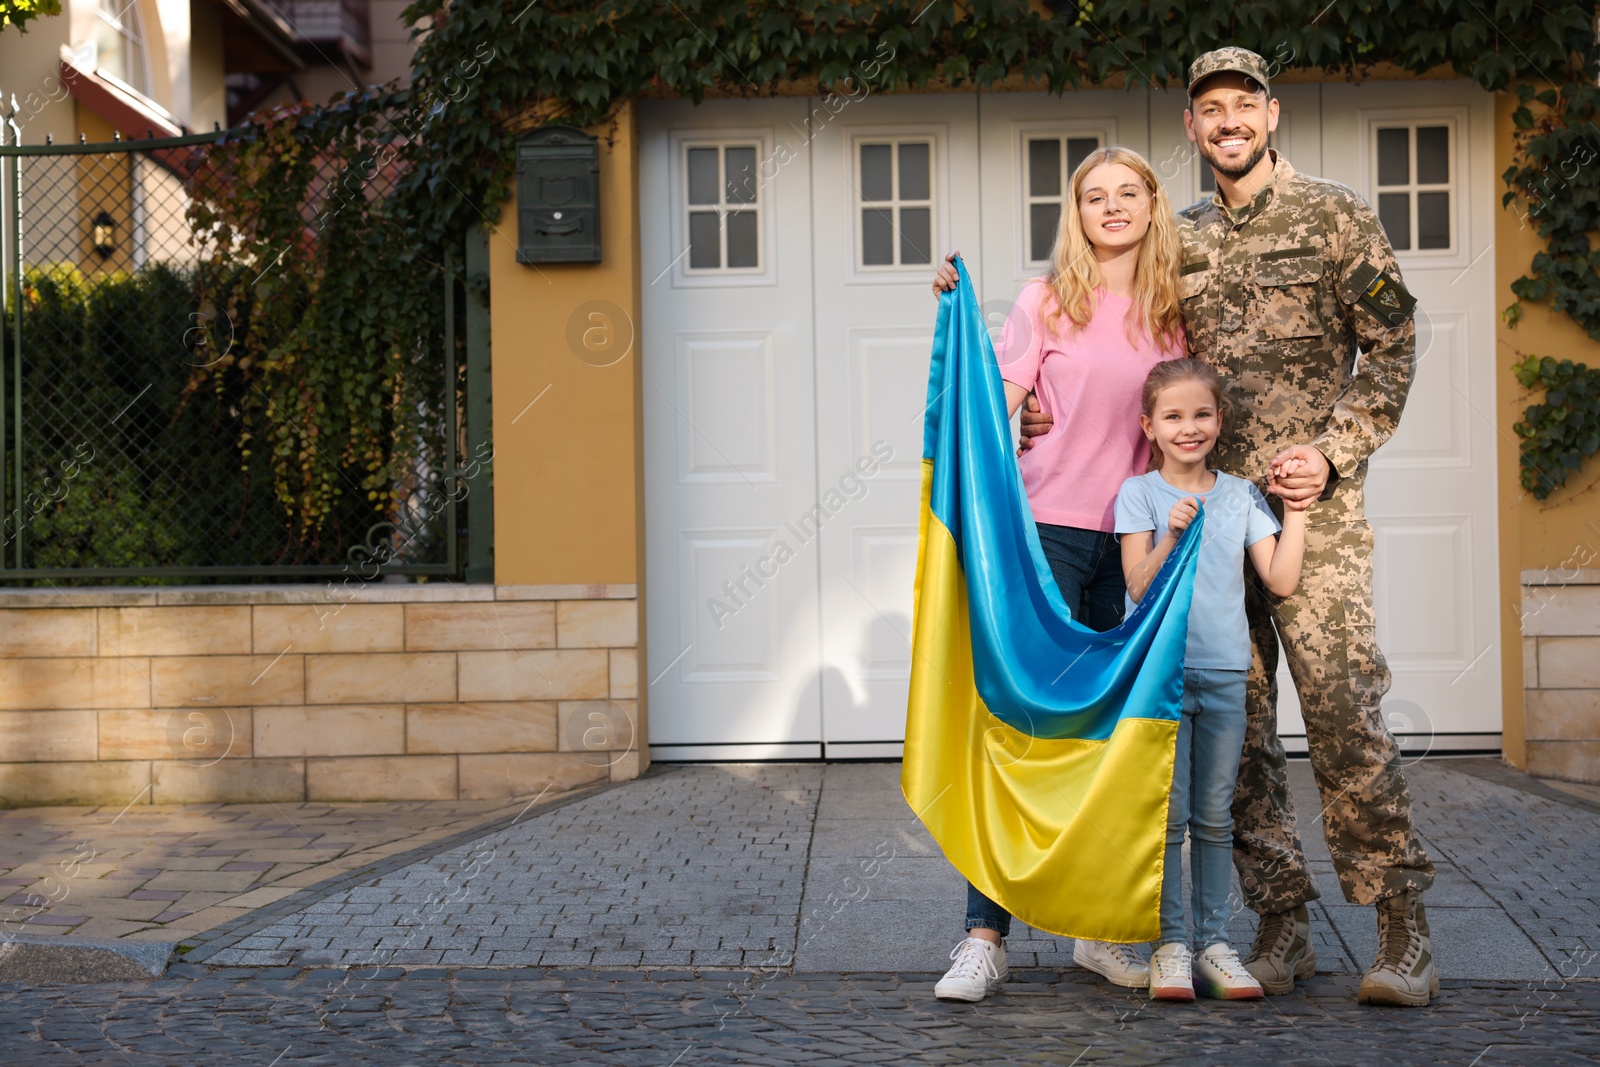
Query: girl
x,y
1083,337
1182,410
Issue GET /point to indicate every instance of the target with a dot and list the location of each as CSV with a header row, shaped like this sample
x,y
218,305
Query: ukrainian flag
x,y
1038,752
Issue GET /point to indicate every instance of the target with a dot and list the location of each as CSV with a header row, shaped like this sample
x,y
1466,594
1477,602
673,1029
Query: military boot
x,y
1403,973
1282,950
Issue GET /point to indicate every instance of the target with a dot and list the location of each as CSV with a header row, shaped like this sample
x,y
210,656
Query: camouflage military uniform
x,y
1278,295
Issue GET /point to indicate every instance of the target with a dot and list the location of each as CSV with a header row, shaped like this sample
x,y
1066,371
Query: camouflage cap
x,y
1218,60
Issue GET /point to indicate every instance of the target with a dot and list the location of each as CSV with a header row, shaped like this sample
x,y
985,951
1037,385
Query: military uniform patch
x,y
1383,294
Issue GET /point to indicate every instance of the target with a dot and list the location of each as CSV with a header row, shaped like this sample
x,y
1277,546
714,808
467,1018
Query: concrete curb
x,y
38,960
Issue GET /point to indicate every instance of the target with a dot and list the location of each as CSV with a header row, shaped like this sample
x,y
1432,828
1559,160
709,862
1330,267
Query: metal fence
x,y
112,473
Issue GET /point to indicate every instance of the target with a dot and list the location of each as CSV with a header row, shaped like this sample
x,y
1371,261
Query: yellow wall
x,y
1564,530
566,429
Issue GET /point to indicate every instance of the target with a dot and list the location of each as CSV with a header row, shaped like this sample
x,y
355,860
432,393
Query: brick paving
x,y
698,867
824,869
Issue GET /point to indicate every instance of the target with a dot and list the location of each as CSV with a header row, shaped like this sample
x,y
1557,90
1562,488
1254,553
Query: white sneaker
x,y
979,969
1118,964
1171,977
1220,974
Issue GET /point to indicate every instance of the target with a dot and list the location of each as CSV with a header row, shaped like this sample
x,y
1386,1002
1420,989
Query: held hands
x,y
1181,515
1284,470
1298,475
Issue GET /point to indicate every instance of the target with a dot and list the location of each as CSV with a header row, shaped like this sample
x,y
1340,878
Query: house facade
x,y
730,402
132,67
707,443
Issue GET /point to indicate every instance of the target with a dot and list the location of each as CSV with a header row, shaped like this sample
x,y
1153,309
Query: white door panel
x,y
874,331
1431,489
729,431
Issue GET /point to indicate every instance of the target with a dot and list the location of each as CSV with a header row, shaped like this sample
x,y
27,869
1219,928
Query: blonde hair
x,y
1075,272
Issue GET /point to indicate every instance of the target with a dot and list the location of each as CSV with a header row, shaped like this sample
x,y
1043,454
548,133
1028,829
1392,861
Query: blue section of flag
x,y
1037,669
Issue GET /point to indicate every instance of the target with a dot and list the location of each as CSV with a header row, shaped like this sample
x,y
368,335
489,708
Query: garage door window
x,y
1048,163
1416,185
894,189
723,208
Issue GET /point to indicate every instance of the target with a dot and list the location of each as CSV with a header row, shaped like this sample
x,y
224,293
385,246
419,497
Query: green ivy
x,y
486,70
1563,431
1557,179
482,67
326,309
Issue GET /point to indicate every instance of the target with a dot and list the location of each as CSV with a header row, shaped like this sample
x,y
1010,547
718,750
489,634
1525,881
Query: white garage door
x,y
787,248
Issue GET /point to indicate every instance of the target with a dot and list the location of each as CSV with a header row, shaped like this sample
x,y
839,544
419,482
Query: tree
x,y
18,12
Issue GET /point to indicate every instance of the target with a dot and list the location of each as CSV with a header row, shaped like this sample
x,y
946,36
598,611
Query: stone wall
x,y
382,691
1561,672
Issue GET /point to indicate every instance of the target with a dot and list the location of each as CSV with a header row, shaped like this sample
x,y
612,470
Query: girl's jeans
x,y
1210,737
1087,566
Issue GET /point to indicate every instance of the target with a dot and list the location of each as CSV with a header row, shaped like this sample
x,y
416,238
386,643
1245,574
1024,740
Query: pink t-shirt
x,y
1089,382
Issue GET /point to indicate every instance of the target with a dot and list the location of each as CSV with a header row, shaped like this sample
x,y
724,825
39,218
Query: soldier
x,y
1283,278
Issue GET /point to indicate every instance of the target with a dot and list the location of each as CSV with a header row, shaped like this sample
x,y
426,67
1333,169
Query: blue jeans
x,y
1210,738
1087,567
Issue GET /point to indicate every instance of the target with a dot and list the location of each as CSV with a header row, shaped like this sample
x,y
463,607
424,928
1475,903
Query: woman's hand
x,y
946,278
1181,515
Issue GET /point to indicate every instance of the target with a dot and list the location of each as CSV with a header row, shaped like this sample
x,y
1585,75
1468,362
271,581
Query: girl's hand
x,y
1300,472
1181,515
1287,467
945,278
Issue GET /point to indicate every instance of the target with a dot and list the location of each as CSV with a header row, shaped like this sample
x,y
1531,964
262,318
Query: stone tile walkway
x,y
169,872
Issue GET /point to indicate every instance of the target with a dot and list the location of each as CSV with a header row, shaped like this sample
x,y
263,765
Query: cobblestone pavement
x,y
281,1018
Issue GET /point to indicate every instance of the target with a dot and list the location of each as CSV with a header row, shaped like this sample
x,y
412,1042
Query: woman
x,y
1083,338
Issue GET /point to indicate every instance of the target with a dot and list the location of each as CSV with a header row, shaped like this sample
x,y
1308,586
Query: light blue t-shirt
x,y
1237,516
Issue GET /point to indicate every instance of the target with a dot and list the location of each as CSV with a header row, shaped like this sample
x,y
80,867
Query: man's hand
x,y
1181,515
1298,475
945,278
1035,423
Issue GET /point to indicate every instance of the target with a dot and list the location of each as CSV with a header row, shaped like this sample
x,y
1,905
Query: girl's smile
x,y
1183,424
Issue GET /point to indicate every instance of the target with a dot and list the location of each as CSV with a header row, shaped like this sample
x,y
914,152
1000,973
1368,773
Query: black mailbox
x,y
558,196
